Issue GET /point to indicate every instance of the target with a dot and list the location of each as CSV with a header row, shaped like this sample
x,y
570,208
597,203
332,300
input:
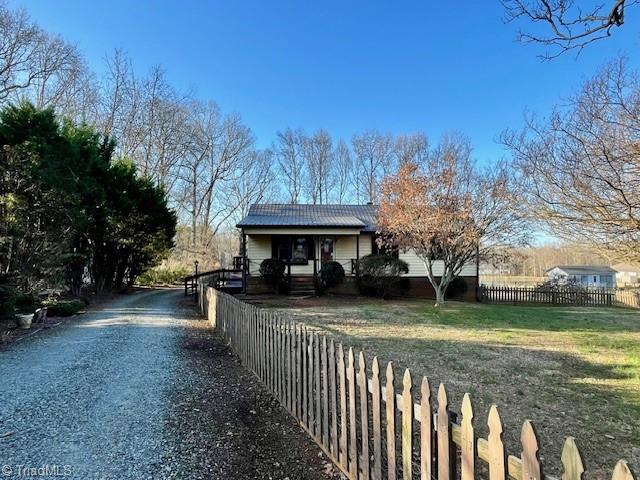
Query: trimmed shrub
x,y
63,308
331,274
26,303
457,288
379,275
272,272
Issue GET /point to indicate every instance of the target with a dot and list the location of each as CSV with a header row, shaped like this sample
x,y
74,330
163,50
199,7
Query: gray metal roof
x,y
585,269
288,215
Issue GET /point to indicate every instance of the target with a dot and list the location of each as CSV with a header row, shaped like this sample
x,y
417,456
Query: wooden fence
x,y
364,425
628,298
511,280
557,296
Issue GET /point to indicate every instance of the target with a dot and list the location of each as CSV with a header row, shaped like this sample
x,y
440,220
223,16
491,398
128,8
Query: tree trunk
x,y
438,287
439,295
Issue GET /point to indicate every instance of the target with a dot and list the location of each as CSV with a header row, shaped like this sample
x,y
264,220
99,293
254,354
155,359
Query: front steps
x,y
302,286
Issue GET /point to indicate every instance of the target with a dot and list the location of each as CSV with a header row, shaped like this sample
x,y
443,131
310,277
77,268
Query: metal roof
x,y
304,215
584,269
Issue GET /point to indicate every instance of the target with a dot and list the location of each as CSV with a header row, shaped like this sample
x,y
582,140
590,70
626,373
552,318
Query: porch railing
x,y
218,279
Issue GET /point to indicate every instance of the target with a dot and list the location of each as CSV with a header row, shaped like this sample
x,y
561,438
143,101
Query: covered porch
x,y
305,237
305,251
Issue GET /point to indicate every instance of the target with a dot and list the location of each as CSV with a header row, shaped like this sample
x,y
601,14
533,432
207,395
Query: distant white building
x,y
590,276
627,274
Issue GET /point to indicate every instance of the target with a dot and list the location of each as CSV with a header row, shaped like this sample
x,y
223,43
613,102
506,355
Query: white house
x,y
305,236
590,276
627,274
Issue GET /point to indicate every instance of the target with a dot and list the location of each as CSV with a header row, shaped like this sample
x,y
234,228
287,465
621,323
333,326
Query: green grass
x,y
573,371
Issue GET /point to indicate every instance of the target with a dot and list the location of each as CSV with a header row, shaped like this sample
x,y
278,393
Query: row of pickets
x,y
366,428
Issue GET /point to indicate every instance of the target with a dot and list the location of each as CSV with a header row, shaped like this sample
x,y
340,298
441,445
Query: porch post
x,y
357,253
317,252
245,262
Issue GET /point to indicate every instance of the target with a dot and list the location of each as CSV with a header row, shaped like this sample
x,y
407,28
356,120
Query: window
x,y
296,250
300,252
606,280
326,249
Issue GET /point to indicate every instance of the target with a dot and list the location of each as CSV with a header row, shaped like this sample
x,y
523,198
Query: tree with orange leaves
x,y
448,211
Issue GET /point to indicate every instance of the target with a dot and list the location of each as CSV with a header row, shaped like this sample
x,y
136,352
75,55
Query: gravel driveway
x,y
142,389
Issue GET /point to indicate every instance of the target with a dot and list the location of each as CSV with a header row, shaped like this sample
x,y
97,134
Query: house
x,y
306,236
589,276
627,274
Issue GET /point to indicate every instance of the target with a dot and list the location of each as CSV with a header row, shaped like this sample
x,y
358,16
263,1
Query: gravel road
x,y
142,389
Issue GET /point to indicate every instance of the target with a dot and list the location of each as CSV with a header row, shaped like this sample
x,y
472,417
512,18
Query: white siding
x,y
301,231
416,267
258,248
344,249
366,241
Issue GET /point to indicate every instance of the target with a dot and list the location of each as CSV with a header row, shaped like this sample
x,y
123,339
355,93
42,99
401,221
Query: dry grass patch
x,y
572,371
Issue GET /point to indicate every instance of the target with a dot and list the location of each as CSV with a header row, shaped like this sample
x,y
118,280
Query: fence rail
x,y
628,298
217,278
550,296
368,425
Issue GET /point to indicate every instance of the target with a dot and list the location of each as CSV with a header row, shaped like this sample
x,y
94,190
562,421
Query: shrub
x,y
7,302
331,274
63,308
26,303
457,288
378,275
272,272
162,276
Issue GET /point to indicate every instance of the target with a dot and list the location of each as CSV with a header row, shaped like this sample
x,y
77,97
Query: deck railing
x,y
213,278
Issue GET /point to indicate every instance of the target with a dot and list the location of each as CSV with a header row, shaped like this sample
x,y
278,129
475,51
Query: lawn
x,y
572,371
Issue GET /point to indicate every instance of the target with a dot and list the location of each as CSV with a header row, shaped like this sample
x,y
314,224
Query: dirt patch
x,y
226,425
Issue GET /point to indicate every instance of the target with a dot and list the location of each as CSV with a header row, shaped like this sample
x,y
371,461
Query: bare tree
x,y
161,129
288,149
448,212
581,167
317,151
373,158
78,96
231,146
121,103
411,148
252,183
193,172
568,25
33,63
343,171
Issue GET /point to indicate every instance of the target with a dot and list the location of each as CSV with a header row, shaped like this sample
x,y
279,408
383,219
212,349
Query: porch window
x,y
300,252
293,249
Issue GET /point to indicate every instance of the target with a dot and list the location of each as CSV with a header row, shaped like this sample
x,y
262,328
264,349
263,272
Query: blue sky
x,y
397,66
